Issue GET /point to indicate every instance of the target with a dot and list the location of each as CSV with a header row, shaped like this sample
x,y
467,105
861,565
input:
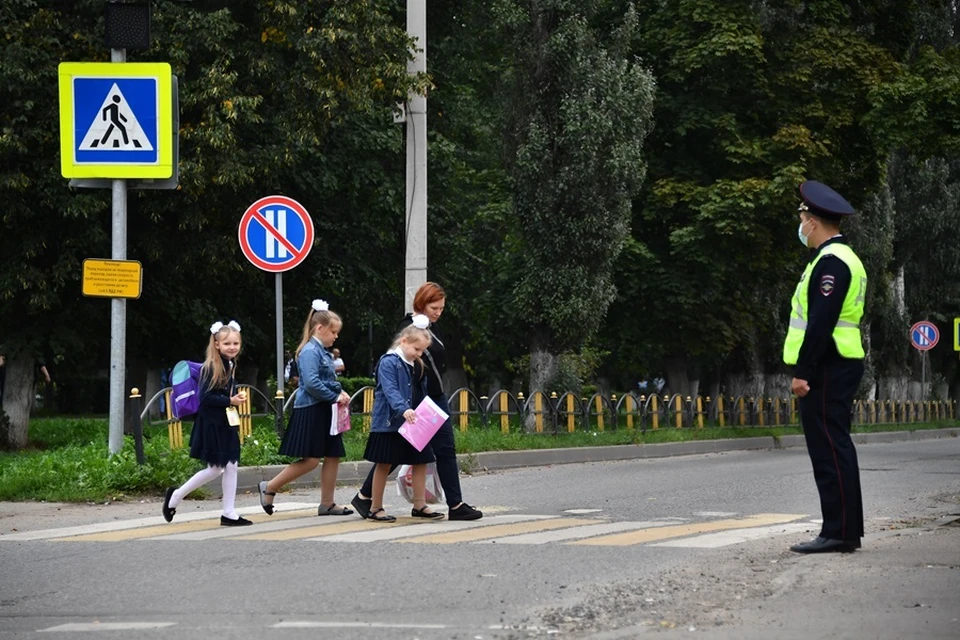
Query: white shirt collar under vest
x,y
399,352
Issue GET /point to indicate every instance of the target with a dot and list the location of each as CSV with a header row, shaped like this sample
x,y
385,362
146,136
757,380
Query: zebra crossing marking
x,y
649,535
395,533
736,536
100,527
585,531
496,531
297,522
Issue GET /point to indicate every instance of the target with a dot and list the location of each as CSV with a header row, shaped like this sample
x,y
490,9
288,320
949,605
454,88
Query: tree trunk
x,y
677,379
543,365
18,394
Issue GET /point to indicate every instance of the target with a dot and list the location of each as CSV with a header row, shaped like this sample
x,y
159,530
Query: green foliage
x,y
579,110
353,384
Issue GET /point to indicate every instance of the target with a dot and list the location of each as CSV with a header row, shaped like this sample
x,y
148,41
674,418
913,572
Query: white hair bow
x,y
320,305
233,324
215,327
420,321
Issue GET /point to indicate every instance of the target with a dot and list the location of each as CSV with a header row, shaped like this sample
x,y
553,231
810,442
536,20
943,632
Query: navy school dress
x,y
400,386
308,431
212,439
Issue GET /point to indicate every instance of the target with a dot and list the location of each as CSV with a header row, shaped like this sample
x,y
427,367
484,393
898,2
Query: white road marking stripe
x,y
394,533
580,512
573,533
734,536
259,527
151,521
308,624
715,514
107,626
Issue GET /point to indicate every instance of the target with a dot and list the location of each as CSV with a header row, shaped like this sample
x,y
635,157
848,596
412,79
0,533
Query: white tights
x,y
202,477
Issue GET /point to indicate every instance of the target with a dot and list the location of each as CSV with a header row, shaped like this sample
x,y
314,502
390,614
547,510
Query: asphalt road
x,y
688,546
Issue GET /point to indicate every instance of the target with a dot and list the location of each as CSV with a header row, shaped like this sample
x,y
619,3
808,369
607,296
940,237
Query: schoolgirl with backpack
x,y
215,438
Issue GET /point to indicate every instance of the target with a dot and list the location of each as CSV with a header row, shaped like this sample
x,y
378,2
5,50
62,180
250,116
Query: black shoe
x,y
239,522
262,490
362,505
168,513
826,545
423,513
464,512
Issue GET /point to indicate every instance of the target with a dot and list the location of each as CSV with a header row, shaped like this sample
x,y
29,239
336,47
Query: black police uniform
x,y
825,411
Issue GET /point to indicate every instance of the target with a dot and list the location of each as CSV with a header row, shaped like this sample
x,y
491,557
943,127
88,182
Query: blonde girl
x,y
215,438
318,396
401,385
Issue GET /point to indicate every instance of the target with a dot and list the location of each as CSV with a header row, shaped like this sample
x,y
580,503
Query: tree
x,y
579,108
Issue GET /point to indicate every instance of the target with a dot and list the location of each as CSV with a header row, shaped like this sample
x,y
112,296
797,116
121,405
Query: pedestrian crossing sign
x,y
116,120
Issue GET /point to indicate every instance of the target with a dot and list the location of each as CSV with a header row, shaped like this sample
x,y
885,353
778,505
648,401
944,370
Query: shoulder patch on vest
x,y
827,285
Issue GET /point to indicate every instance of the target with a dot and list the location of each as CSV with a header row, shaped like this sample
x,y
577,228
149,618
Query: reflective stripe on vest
x,y
846,333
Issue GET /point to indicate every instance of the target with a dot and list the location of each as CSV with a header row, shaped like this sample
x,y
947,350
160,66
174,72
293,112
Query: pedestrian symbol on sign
x,y
115,127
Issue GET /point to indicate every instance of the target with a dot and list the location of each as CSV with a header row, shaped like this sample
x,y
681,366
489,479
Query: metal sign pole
x,y
923,375
118,306
280,362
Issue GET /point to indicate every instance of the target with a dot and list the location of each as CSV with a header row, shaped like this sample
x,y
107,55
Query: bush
x,y
352,385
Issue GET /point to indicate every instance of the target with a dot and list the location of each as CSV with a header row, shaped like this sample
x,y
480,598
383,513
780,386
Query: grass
x,y
68,460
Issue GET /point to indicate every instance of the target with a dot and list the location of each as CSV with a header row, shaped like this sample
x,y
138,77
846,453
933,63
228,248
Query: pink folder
x,y
430,418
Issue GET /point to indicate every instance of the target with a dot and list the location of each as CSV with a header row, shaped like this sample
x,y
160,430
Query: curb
x,y
488,461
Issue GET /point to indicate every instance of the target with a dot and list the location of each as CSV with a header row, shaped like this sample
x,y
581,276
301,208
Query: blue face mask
x,y
804,240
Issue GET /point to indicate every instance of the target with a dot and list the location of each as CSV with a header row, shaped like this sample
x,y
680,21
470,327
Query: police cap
x,y
822,201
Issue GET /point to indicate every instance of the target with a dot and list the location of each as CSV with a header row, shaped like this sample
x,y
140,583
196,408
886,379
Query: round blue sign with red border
x,y
276,233
924,335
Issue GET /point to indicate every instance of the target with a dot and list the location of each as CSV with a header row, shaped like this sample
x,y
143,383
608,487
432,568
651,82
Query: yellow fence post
x,y
655,422
246,420
741,411
598,403
721,417
367,408
538,411
678,415
504,417
463,400
760,411
699,412
174,426
571,422
628,403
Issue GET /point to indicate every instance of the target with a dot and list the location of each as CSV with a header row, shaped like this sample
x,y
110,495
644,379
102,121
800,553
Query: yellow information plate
x,y
112,278
956,334
116,120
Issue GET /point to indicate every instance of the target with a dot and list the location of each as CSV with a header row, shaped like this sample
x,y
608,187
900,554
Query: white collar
x,y
398,351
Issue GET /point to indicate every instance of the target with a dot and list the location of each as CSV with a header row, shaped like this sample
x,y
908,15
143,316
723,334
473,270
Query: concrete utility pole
x,y
416,192
118,306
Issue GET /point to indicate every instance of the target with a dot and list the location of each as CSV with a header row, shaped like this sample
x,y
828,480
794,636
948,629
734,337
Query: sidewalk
x,y
355,472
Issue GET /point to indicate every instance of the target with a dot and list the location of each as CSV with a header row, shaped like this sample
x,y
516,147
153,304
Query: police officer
x,y
823,343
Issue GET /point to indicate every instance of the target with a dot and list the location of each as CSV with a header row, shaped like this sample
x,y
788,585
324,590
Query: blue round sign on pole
x,y
924,335
276,233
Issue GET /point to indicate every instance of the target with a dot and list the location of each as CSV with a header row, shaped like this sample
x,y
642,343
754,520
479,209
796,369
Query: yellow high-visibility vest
x,y
846,334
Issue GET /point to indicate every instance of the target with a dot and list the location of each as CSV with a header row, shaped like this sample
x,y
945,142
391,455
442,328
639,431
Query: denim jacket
x,y
318,382
393,394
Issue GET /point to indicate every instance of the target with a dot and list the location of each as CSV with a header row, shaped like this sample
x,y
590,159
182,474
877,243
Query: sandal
x,y
333,510
423,513
376,517
266,506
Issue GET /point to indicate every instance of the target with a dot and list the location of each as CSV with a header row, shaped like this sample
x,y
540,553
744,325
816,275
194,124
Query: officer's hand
x,y
799,387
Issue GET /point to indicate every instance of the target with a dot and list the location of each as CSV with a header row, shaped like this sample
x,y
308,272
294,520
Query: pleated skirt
x,y
393,448
308,434
213,440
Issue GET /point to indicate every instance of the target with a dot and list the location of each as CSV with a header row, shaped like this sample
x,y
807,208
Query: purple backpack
x,y
185,398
